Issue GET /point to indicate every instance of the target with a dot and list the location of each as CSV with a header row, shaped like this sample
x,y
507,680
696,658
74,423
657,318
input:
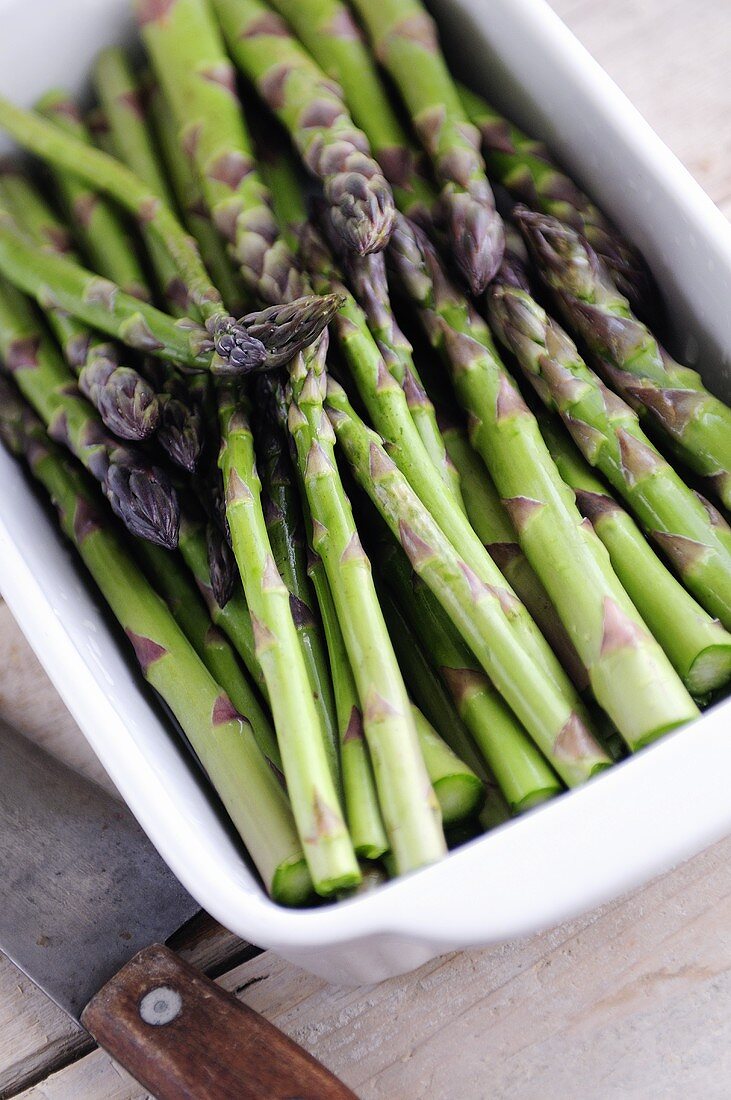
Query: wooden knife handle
x,y
184,1038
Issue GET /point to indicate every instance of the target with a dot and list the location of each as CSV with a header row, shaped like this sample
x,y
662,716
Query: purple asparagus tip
x,y
144,500
221,564
181,433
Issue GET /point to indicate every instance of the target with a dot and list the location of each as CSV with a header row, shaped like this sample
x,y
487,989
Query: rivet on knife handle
x,y
183,1038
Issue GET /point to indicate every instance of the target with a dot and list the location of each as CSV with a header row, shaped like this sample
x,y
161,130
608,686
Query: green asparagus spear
x,y
431,696
97,226
387,407
607,432
367,279
697,645
315,805
189,196
478,610
172,581
620,655
671,396
283,516
404,39
490,521
362,810
521,771
527,171
331,35
233,618
140,494
331,146
128,137
221,738
408,804
124,400
267,338
104,173
198,81
459,792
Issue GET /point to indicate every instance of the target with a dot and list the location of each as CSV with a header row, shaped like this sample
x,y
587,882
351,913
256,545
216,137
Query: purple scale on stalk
x,y
224,711
618,630
86,520
354,729
146,650
462,683
22,354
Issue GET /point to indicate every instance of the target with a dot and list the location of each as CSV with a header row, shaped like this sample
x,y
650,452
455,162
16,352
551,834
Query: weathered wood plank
x,y
631,1001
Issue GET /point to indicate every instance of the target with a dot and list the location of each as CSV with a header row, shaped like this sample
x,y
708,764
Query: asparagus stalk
x,y
525,168
233,618
487,515
404,39
101,304
478,610
331,146
608,434
96,224
128,137
697,645
620,655
140,494
221,738
104,173
671,396
331,35
190,201
408,804
434,702
198,81
459,791
367,279
265,339
172,581
362,810
523,774
320,824
124,400
388,410
283,517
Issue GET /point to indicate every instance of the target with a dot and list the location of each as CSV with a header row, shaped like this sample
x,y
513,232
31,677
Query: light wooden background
x,y
633,1001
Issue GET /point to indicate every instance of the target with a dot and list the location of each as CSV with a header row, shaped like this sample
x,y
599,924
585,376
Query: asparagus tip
x,y
478,238
144,500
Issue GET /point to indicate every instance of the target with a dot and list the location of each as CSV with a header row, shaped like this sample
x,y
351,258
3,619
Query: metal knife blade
x,y
83,887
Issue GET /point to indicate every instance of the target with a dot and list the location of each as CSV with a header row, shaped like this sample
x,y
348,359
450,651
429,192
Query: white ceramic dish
x,y
584,848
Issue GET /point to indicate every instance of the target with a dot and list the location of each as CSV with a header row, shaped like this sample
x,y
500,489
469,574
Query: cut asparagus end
x,y
291,883
710,671
536,798
460,797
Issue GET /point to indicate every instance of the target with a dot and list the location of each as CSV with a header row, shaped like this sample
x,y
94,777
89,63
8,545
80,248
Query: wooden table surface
x,y
631,1001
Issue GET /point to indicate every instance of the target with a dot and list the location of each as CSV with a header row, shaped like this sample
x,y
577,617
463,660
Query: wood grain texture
x,y
185,1038
629,1002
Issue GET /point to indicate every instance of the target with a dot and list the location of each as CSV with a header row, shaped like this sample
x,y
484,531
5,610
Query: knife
x,y
87,906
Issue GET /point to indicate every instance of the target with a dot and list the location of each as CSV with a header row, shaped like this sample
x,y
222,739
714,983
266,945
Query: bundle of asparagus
x,y
388,603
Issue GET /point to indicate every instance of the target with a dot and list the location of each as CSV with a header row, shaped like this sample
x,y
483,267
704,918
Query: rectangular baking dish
x,y
590,845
